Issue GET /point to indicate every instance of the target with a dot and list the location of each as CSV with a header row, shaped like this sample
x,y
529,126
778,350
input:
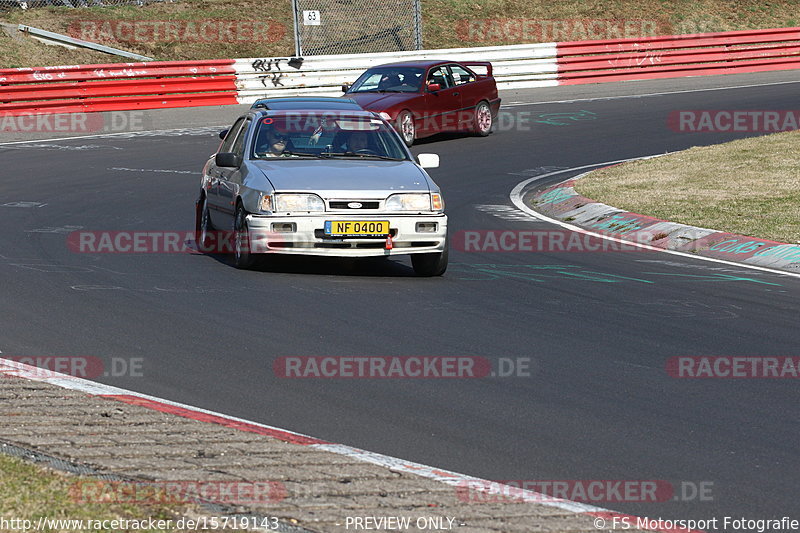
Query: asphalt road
x,y
599,327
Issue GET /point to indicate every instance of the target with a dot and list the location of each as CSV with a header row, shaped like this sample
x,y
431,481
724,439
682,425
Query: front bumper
x,y
308,239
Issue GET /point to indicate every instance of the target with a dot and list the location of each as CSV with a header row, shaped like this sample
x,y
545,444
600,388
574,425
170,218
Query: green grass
x,y
29,491
749,186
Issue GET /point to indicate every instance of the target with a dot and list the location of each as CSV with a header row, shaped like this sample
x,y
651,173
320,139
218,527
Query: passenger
x,y
358,140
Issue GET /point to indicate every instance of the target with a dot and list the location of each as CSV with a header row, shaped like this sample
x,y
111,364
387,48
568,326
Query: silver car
x,y
324,183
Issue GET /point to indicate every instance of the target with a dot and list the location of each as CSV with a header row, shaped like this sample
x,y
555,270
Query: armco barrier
x,y
185,84
678,55
119,86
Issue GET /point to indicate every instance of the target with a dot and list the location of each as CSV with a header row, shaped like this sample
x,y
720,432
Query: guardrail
x,y
516,66
118,86
182,84
678,55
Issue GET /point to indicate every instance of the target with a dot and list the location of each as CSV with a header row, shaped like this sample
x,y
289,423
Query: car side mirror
x,y
428,160
223,134
433,87
346,87
228,159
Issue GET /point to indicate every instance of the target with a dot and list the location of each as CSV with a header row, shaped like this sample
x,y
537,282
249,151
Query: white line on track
x,y
124,134
17,368
518,104
516,198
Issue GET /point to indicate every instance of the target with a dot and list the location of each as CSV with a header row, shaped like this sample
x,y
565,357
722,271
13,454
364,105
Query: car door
x,y
470,93
215,175
442,105
231,178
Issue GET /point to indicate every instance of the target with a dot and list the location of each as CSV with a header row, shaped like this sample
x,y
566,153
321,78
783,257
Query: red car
x,y
422,98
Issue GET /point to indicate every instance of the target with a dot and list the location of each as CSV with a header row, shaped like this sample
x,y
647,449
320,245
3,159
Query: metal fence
x,y
8,5
324,27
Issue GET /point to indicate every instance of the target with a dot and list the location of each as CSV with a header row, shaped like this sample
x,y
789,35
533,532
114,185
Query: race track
x,y
599,327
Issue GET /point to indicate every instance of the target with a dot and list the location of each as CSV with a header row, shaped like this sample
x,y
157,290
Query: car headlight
x,y
298,202
385,116
414,202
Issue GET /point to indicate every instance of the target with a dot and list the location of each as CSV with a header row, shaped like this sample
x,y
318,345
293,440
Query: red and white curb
x,y
597,220
16,369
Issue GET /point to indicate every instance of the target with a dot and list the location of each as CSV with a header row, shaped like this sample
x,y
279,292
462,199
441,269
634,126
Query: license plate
x,y
357,228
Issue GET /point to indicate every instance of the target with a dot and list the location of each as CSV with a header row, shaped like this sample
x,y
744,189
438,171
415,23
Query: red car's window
x,y
389,79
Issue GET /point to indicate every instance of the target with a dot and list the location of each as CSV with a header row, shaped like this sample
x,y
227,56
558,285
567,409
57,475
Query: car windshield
x,y
390,80
326,135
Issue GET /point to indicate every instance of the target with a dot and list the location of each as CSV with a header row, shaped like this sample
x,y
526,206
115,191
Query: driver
x,y
275,145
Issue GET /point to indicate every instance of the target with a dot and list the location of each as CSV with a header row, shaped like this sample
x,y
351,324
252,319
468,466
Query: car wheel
x,y
202,226
483,121
428,265
242,258
405,127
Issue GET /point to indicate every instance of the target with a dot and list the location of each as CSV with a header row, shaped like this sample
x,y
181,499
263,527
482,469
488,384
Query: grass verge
x,y
749,186
29,491
446,24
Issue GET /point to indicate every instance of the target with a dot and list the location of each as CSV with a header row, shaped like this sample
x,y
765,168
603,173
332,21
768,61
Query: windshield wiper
x,y
354,154
269,155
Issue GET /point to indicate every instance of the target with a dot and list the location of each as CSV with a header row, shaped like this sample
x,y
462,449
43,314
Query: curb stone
x,y
562,202
90,425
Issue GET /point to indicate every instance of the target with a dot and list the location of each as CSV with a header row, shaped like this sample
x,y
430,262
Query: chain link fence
x,y
7,5
356,26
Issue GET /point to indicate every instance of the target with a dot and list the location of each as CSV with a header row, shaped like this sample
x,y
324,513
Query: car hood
x,y
380,101
332,178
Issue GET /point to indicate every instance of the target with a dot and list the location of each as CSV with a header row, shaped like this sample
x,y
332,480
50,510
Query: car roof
x,y
355,112
422,63
306,102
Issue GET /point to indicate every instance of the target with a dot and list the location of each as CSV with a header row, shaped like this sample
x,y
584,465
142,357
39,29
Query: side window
x,y
228,142
461,75
439,75
238,145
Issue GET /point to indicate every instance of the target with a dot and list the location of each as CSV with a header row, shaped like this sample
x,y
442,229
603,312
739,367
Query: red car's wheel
x,y
483,119
405,127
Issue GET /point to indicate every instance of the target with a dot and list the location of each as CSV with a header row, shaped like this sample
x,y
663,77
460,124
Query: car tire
x,y
242,258
429,265
406,127
203,226
483,122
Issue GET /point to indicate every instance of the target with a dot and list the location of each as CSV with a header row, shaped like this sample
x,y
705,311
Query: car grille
x,y
342,204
